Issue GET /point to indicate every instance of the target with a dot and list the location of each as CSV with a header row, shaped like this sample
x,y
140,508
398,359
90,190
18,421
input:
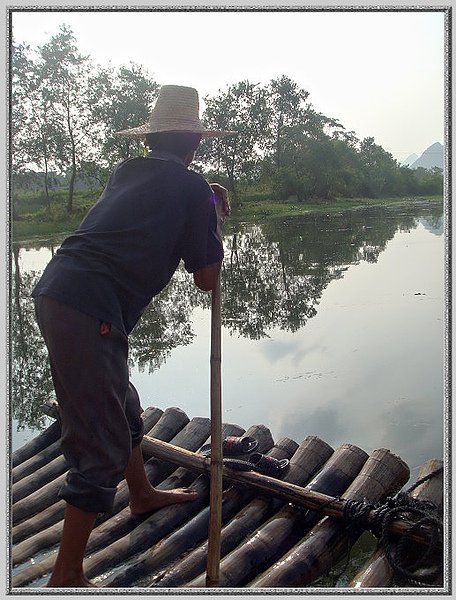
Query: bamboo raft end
x,y
286,532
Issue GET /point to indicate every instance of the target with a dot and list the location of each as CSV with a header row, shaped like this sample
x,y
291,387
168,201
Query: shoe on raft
x,y
233,446
267,465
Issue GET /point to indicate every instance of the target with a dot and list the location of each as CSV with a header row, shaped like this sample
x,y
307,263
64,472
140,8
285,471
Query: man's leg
x,y
95,437
144,498
67,570
78,524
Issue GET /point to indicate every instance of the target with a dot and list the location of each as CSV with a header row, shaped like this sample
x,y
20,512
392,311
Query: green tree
x,y
302,160
33,127
64,72
120,99
286,110
429,181
18,117
21,74
378,169
241,108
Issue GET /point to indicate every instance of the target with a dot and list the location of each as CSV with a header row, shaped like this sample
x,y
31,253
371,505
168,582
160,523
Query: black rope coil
x,y
419,513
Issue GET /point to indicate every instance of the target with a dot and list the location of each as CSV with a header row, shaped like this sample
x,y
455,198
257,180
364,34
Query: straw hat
x,y
176,109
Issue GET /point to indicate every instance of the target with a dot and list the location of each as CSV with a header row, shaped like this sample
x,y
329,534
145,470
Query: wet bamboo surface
x,y
274,531
277,535
36,445
307,459
383,474
377,572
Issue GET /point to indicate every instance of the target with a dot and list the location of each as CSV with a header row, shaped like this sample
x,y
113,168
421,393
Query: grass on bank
x,y
39,219
36,217
264,208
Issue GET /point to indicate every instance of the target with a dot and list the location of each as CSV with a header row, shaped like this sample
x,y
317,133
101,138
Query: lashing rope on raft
x,y
419,513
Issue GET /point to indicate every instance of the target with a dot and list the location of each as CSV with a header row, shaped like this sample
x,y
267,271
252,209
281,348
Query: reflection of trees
x,y
31,385
260,291
164,326
273,277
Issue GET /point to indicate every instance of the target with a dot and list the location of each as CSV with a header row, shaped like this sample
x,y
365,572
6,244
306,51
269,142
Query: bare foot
x,y
160,498
78,581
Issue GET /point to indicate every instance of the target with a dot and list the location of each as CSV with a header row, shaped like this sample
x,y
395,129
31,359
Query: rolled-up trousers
x,y
99,407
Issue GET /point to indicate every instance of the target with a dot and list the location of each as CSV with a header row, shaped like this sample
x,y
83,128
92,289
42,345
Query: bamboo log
x,y
173,425
108,532
191,437
170,422
382,474
184,433
283,530
185,476
263,436
47,495
41,521
54,513
50,435
307,459
31,483
377,572
153,529
183,539
37,501
123,522
149,532
32,464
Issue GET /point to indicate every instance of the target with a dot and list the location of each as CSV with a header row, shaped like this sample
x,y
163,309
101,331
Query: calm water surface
x,y
332,326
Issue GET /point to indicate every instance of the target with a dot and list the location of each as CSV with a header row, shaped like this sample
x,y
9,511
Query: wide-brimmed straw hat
x,y
176,110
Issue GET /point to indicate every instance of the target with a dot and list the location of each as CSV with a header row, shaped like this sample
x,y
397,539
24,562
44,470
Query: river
x,y
333,325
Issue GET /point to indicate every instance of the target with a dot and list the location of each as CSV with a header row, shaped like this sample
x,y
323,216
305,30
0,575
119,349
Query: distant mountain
x,y
410,160
431,157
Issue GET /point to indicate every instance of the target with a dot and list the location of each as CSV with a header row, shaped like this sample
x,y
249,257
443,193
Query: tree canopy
x,y
65,112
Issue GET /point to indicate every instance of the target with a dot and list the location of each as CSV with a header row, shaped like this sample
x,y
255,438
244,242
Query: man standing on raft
x,y
153,213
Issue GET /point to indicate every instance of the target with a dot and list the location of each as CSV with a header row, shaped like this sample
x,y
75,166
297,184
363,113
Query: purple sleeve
x,y
201,245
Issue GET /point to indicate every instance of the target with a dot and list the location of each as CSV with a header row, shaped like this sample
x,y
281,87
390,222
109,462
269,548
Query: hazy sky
x,y
382,74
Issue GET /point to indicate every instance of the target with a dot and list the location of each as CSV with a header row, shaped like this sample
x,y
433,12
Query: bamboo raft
x,y
276,533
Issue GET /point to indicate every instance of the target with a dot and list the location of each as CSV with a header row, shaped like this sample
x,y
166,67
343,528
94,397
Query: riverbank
x,y
264,209
33,225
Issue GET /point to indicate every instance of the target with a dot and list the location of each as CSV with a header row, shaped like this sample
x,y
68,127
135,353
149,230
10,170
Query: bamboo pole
x,y
184,538
216,464
333,507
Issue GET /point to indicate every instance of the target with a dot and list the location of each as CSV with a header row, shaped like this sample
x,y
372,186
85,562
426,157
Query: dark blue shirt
x,y
152,214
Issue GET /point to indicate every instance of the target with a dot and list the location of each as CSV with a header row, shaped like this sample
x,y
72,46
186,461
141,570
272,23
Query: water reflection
x,y
274,277
30,374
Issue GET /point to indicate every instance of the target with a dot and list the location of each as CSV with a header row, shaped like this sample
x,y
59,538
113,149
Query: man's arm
x,y
206,278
